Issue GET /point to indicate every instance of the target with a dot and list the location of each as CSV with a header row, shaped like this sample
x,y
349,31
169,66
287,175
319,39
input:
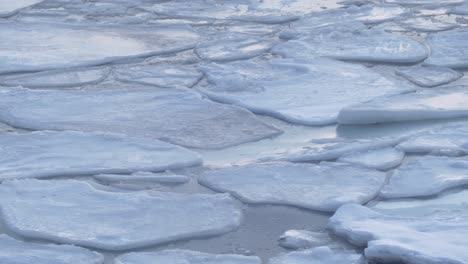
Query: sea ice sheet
x,y
426,104
307,92
48,153
430,76
319,255
380,159
448,49
8,8
297,239
70,211
179,116
322,187
13,251
177,256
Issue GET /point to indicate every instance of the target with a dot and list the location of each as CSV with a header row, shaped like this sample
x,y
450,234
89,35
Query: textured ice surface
x,y
426,176
184,257
437,238
308,92
381,159
424,2
159,75
33,47
448,49
47,154
354,43
57,78
460,9
321,187
426,104
8,8
70,211
13,251
427,24
296,239
319,255
179,116
430,76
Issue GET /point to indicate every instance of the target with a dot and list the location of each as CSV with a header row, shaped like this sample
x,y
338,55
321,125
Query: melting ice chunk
x,y
296,239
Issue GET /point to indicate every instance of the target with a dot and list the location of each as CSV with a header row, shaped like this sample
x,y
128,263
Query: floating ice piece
x,y
426,104
426,176
34,47
232,47
393,238
424,2
47,154
380,159
184,256
57,78
179,116
8,8
448,49
430,76
296,239
13,251
319,255
308,92
74,212
159,75
428,24
322,187
460,9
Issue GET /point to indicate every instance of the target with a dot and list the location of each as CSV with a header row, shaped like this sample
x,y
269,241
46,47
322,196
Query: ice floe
x,y
23,45
179,116
13,251
296,239
48,153
177,256
319,255
322,187
448,49
426,104
308,92
430,76
380,159
69,211
8,8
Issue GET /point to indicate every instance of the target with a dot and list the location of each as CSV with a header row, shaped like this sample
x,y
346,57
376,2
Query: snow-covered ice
x,y
70,211
448,49
380,159
13,251
48,154
179,116
308,92
319,255
441,103
322,187
430,76
8,8
177,256
426,176
297,239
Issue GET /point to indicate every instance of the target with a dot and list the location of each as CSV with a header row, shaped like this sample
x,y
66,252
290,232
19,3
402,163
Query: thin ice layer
x,y
307,92
70,211
177,256
179,116
448,49
48,154
380,159
430,76
440,103
319,255
322,187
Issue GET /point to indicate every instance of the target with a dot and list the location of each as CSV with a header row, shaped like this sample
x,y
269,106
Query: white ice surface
x,y
426,104
33,47
70,211
297,239
319,255
307,92
426,176
48,154
179,116
448,49
380,159
178,256
430,76
322,187
8,8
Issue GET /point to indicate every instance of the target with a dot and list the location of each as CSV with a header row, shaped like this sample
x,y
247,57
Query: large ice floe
x,y
448,49
308,92
70,211
426,104
177,256
34,47
48,153
13,251
321,187
179,116
429,76
319,255
380,159
8,8
426,176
